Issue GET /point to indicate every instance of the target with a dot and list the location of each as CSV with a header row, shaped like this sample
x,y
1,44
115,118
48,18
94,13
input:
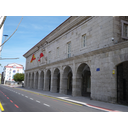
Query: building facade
x,y
84,56
11,69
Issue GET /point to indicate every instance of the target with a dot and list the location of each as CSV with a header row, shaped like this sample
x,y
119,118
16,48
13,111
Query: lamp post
x,y
2,46
5,37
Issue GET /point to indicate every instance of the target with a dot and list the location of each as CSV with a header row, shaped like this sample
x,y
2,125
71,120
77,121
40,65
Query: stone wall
x,y
98,32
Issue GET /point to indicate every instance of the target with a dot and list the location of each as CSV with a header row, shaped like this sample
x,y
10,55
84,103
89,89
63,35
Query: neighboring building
x,y
84,56
11,69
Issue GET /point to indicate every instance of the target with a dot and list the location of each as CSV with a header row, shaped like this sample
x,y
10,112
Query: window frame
x,y
57,52
49,57
69,51
83,41
123,23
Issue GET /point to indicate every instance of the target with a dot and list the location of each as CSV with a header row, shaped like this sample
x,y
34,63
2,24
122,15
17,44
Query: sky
x,y
32,29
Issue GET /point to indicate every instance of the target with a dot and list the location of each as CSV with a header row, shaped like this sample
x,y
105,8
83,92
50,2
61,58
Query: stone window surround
x,y
82,43
49,57
69,52
57,52
123,22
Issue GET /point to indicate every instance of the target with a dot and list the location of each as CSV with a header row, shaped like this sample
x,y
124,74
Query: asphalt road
x,y
22,100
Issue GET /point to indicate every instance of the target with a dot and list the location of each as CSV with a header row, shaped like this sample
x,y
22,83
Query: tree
x,y
18,77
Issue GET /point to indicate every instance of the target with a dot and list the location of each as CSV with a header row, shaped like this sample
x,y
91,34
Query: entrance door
x,y
86,84
69,84
122,83
49,82
58,82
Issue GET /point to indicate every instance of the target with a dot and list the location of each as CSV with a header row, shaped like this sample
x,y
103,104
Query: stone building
x,y
84,56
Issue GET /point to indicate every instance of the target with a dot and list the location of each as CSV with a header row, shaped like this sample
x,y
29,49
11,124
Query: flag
x,y
41,55
33,58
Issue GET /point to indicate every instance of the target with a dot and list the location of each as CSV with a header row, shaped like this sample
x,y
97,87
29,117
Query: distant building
x,y
11,69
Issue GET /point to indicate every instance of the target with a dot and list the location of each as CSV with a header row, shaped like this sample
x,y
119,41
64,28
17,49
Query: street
x,y
22,100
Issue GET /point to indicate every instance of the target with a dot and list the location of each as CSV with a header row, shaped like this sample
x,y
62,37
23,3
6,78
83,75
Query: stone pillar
x,y
53,84
30,80
76,87
45,82
25,82
39,81
34,80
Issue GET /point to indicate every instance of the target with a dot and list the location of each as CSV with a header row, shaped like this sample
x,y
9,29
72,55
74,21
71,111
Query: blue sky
x,y
31,30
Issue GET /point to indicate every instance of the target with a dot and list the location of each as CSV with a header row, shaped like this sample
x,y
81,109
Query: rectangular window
x,y
49,57
69,49
83,43
124,29
125,32
57,52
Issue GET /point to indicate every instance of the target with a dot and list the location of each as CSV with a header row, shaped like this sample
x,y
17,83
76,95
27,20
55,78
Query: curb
x,y
73,101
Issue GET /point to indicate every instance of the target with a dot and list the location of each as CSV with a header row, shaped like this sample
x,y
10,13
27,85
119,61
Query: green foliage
x,y
18,77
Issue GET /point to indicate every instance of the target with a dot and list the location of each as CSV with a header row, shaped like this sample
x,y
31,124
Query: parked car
x,y
22,83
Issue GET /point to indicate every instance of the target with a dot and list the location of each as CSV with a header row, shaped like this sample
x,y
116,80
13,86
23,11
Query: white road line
x,y
22,94
46,105
26,96
31,98
19,93
37,101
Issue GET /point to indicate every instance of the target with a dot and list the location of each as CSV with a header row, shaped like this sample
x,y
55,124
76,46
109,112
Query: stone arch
x,y
122,82
56,80
83,80
67,80
36,80
48,80
41,86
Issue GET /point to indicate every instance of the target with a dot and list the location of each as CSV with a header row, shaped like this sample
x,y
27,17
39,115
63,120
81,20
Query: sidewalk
x,y
82,100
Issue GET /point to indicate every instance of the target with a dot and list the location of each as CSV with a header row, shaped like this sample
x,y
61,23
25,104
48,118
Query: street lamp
x,y
4,41
5,37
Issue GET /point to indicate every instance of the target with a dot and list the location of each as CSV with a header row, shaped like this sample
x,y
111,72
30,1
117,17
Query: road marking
x,y
37,101
63,97
22,94
26,96
71,101
11,101
16,105
46,105
31,98
1,107
7,97
19,93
